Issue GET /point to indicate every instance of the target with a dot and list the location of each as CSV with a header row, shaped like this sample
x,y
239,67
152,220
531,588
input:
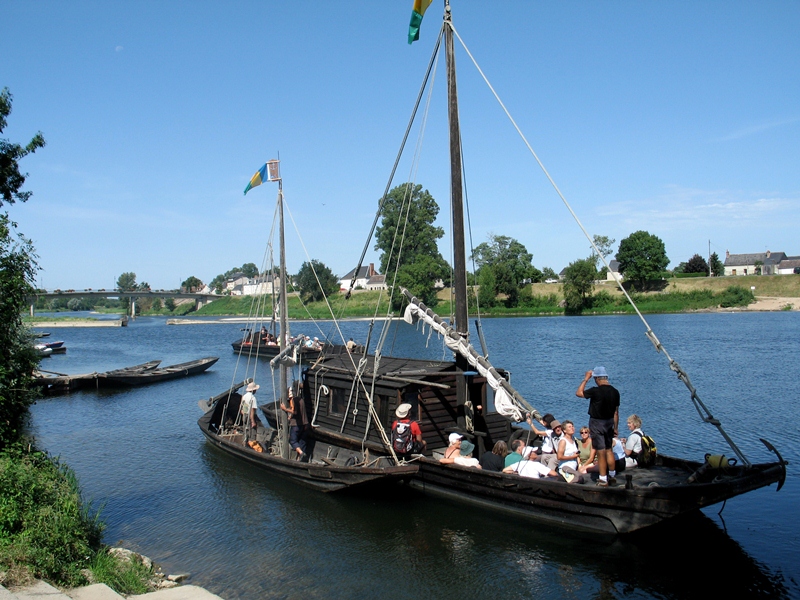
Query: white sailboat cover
x,y
507,401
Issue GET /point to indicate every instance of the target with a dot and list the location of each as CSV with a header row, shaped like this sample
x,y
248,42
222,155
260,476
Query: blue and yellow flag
x,y
420,6
259,178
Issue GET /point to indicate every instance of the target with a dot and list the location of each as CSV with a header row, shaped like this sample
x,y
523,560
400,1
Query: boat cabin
x,y
443,399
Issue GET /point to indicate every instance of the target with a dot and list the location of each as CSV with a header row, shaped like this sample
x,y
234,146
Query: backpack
x,y
647,457
402,438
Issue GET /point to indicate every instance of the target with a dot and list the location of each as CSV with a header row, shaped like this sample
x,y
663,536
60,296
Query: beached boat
x,y
155,375
325,467
354,404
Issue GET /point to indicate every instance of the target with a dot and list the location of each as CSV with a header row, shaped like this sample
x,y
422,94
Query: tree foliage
x,y
127,282
192,284
18,269
716,265
579,285
642,257
307,285
696,264
11,180
407,240
605,244
510,263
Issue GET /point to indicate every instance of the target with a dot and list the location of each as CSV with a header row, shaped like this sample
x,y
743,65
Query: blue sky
x,y
679,118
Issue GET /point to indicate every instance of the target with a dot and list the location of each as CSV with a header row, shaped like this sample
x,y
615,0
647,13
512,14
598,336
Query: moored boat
x,y
354,404
155,375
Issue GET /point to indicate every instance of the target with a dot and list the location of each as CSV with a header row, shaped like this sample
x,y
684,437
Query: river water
x,y
240,533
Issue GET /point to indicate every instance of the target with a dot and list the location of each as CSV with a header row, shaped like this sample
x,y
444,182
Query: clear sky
x,y
679,118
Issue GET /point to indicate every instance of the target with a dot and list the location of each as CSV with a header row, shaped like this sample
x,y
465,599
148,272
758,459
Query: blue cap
x,y
599,372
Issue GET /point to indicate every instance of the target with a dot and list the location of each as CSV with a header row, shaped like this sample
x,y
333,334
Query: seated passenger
x,y
633,445
513,457
453,450
619,454
530,468
549,456
495,460
464,457
586,451
568,454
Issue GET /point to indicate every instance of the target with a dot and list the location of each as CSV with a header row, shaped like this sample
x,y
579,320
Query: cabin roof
x,y
409,368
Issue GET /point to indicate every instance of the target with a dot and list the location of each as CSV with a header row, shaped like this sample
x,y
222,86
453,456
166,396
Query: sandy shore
x,y
768,303
77,323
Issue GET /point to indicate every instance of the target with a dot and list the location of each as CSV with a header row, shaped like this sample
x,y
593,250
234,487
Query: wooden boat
x,y
255,345
155,375
329,468
57,383
445,396
55,347
325,467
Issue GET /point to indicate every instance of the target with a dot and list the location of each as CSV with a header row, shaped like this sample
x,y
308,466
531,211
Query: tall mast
x,y
274,175
456,187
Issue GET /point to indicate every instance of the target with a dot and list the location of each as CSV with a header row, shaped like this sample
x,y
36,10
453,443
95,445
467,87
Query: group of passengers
x,y
555,451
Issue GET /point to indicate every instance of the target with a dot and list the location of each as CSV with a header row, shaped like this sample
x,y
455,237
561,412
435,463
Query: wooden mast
x,y
456,194
274,175
461,323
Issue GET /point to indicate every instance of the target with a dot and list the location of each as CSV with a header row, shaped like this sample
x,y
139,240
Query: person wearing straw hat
x,y
406,434
603,421
249,406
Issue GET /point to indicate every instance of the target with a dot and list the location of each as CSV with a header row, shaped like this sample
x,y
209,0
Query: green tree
x,y
758,264
642,257
192,284
548,273
487,296
579,285
249,270
510,262
11,180
156,305
696,264
18,269
605,244
717,268
307,285
169,304
407,239
127,282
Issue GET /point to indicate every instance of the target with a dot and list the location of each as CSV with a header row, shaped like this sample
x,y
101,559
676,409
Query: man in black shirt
x,y
603,420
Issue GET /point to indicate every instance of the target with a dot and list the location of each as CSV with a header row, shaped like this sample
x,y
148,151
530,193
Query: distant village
x,y
367,278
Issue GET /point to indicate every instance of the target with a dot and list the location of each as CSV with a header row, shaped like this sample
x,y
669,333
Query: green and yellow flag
x,y
257,179
420,6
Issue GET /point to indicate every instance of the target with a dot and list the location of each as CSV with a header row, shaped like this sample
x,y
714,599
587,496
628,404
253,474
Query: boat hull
x,y
146,377
612,510
314,474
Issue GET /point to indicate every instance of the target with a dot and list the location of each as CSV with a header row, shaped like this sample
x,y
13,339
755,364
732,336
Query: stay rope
x,y
703,411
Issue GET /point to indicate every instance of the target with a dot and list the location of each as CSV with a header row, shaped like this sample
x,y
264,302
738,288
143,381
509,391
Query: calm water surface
x,y
243,534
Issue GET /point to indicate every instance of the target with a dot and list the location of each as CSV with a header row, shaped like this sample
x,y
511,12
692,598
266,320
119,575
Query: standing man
x,y
406,434
603,421
248,408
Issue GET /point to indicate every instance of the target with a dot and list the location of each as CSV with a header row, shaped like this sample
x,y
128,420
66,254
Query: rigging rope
x,y
705,414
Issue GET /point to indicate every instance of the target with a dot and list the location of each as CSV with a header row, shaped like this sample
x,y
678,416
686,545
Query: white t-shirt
x,y
248,402
633,443
532,468
466,462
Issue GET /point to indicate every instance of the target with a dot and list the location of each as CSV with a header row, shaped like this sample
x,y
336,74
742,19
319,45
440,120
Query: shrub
x,y
46,531
735,295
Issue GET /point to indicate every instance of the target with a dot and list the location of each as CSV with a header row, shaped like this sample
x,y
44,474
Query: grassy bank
x,y
48,531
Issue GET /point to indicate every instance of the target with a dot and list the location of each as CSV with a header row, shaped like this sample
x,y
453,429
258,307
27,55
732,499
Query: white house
x,y
745,264
362,279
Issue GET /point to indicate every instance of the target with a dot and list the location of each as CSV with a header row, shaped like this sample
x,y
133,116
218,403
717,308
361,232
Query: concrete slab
x,y
6,595
182,592
96,591
40,591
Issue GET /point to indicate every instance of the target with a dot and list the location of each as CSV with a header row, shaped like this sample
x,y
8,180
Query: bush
x,y
127,575
46,531
735,296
